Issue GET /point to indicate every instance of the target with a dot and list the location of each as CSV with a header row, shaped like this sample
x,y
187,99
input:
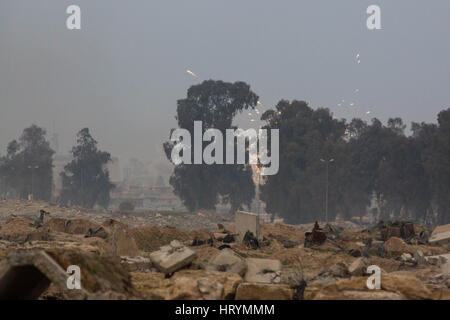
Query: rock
x,y
433,260
28,274
258,291
395,247
409,286
441,235
172,257
442,261
339,270
205,285
188,285
263,270
219,235
246,221
293,277
360,295
406,257
376,248
393,287
122,243
136,264
358,267
420,257
227,261
153,285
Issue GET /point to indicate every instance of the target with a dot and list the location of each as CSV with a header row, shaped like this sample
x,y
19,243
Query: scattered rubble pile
x,y
242,260
205,220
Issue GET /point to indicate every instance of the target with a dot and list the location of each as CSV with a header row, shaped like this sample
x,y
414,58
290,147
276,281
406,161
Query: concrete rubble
x,y
172,257
263,271
227,261
246,221
441,236
145,260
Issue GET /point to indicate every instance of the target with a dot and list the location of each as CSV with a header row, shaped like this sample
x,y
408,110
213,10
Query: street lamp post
x,y
32,179
327,162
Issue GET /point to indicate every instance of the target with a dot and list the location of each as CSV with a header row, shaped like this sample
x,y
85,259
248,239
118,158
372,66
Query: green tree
x,y
215,103
86,178
433,141
297,193
27,167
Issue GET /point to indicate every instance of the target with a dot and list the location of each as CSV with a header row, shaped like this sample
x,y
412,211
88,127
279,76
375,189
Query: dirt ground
x,y
334,269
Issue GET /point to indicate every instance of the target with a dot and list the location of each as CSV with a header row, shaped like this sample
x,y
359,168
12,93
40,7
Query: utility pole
x,y
32,179
327,162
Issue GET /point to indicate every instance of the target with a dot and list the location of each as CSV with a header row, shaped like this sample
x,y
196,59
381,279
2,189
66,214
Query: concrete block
x,y
172,257
263,271
246,221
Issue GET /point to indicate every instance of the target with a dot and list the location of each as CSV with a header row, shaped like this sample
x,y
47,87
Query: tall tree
x,y
298,192
27,167
86,178
215,103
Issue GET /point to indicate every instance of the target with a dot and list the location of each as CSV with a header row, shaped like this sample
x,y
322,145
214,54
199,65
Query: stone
x,y
395,247
188,285
259,291
339,270
219,235
36,273
420,257
440,235
227,261
442,261
358,267
26,274
133,264
406,257
360,295
122,243
246,221
409,286
172,257
263,271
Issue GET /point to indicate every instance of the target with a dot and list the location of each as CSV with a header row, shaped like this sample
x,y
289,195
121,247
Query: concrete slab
x,y
441,238
263,270
246,221
26,274
172,257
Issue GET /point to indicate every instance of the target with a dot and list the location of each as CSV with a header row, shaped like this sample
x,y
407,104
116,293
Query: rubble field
x,y
200,256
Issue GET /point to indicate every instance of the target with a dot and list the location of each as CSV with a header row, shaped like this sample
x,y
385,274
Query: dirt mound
x,y
122,242
283,233
56,224
151,238
79,226
21,229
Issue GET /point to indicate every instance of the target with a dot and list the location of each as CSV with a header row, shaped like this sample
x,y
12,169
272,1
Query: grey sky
x,y
121,74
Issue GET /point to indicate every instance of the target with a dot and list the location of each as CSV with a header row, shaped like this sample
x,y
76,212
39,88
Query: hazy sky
x,y
121,74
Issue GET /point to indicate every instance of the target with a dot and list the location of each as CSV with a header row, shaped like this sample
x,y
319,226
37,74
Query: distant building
x,y
150,198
